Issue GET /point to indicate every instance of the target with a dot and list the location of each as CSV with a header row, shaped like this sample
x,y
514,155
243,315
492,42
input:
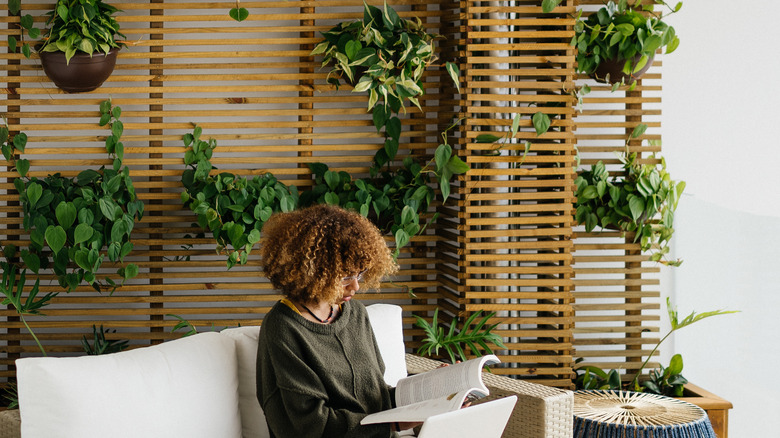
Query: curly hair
x,y
307,252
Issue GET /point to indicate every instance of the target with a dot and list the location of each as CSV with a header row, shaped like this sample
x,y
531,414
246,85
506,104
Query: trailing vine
x,y
75,223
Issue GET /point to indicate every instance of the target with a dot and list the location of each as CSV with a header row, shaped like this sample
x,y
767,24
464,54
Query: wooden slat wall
x,y
616,290
250,85
508,248
503,242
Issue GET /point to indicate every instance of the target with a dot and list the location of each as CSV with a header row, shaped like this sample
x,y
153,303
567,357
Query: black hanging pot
x,y
611,70
83,73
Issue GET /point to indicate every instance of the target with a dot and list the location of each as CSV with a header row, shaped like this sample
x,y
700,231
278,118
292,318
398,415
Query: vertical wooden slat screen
x,y
507,247
503,242
616,288
250,85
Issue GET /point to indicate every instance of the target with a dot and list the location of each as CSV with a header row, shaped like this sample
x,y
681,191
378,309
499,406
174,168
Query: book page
x,y
419,411
443,381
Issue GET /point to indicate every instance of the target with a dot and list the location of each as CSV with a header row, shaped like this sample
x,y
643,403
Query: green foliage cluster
x,y
232,207
75,223
472,335
642,199
386,56
73,26
396,198
235,208
665,380
101,345
627,31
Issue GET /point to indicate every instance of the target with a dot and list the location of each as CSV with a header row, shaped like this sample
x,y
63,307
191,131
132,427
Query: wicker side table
x,y
625,414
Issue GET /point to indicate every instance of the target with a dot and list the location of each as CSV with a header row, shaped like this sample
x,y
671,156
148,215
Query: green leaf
x,y
487,138
457,166
391,148
454,73
401,239
352,48
34,192
332,179
379,116
331,198
66,214
442,156
11,44
239,14
393,128
55,238
130,271
541,122
675,365
638,130
22,166
82,233
637,206
549,5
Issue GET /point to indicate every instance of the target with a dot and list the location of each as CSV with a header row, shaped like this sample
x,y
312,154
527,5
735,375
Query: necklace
x,y
322,321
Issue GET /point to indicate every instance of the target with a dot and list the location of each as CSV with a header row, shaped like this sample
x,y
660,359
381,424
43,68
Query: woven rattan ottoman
x,y
541,411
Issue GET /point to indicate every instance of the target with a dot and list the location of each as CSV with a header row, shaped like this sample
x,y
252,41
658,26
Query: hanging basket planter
x,y
611,71
83,73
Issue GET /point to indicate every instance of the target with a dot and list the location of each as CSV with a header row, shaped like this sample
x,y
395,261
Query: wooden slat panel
x,y
616,288
508,245
250,85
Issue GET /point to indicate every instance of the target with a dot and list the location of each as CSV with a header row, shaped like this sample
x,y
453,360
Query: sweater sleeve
x,y
301,407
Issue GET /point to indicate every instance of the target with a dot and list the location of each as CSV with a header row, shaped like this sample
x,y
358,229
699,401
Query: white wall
x,y
721,114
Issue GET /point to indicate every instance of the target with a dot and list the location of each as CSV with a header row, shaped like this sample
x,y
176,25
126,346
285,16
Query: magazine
x,y
435,392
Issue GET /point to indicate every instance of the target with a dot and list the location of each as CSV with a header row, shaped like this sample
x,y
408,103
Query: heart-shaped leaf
x,y
55,238
34,192
82,233
239,14
66,214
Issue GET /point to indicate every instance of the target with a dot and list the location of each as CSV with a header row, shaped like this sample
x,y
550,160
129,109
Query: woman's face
x,y
351,285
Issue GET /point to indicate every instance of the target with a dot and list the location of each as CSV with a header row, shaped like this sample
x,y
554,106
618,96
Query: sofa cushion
x,y
252,419
187,387
386,321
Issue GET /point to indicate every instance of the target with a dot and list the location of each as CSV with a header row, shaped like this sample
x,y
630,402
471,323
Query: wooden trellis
x,y
504,242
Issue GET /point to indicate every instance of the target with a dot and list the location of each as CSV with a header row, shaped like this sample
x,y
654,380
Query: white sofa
x,y
204,386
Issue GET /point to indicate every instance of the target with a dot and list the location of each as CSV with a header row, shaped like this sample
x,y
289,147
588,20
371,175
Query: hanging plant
x,y
617,43
79,47
386,56
232,207
641,199
394,200
75,223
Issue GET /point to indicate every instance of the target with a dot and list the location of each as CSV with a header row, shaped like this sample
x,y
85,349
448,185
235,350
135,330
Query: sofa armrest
x,y
10,424
541,411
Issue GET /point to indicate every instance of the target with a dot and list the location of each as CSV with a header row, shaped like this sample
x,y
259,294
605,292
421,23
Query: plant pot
x,y
613,69
84,72
715,407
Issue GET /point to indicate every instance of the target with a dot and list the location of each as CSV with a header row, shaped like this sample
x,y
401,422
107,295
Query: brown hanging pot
x,y
83,73
611,71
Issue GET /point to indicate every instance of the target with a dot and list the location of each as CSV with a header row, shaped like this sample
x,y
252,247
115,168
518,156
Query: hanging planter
x,y
78,49
616,71
85,72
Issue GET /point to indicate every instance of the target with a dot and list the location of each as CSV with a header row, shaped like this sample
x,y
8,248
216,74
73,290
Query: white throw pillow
x,y
386,320
252,417
187,387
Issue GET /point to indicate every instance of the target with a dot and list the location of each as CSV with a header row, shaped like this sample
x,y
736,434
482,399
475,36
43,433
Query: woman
x,y
319,371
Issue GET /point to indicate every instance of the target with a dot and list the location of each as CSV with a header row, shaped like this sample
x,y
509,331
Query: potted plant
x,y
667,381
79,46
617,43
75,223
386,56
642,200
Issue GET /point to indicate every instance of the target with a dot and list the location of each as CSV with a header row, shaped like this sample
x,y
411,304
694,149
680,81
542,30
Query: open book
x,y
436,392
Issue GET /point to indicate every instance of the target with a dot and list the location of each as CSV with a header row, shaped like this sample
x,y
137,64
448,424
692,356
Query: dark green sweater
x,y
319,381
